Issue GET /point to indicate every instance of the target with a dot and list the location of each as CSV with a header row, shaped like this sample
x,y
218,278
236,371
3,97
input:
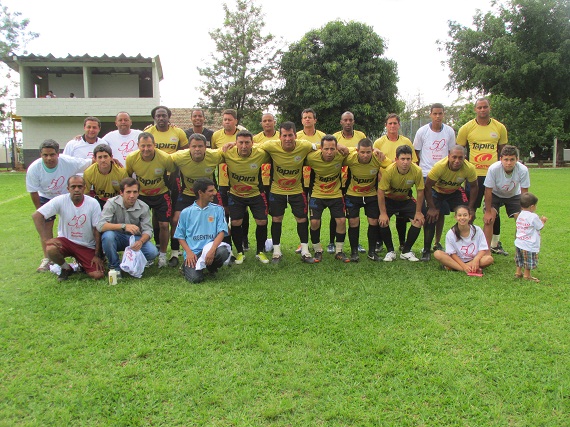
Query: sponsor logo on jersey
x,y
508,187
208,170
126,147
159,171
483,157
287,183
287,171
242,188
363,180
242,178
149,182
199,237
438,145
77,221
253,166
327,187
364,189
478,146
297,159
56,184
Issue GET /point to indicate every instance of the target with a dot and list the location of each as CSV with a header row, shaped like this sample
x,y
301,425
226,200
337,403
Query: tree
x,y
520,52
336,68
243,63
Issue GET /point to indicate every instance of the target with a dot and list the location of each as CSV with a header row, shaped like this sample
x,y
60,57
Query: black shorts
x,y
184,200
369,203
480,191
278,204
317,206
512,204
238,206
223,191
43,201
401,208
161,205
446,203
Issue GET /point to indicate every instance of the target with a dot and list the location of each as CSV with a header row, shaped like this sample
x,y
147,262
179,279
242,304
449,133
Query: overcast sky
x,y
178,33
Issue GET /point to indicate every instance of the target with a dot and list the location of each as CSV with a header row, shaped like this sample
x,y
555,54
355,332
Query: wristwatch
x,y
123,227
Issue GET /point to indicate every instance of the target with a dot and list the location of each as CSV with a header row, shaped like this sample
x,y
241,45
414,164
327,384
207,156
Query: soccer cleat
x,y
239,258
426,256
410,256
379,247
390,256
65,273
44,266
437,247
361,249
149,263
262,258
499,250
318,256
354,257
173,262
330,248
276,259
298,250
373,257
307,259
162,261
341,256
246,245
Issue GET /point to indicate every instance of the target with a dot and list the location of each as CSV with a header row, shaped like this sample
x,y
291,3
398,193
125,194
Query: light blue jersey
x,y
200,226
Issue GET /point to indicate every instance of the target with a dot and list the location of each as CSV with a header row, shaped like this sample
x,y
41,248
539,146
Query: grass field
x,y
385,344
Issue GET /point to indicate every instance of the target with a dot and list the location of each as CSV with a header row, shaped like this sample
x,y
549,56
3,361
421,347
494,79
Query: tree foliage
x,y
242,70
336,68
521,51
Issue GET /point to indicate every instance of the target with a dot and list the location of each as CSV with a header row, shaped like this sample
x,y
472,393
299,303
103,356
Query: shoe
x,y
307,259
149,263
341,256
44,266
239,258
330,248
373,257
426,256
390,256
354,257
499,250
276,259
410,256
173,262
318,256
379,247
245,245
298,250
262,258
65,273
162,261
232,259
361,249
401,248
437,247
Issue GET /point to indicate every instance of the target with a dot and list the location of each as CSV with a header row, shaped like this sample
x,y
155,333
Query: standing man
x,y
269,132
310,131
506,180
45,179
394,197
432,143
484,137
286,188
124,216
444,192
198,119
104,176
219,139
123,140
201,230
244,169
83,147
326,166
76,233
150,166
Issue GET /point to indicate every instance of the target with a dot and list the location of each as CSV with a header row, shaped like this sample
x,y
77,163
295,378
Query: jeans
x,y
115,241
197,276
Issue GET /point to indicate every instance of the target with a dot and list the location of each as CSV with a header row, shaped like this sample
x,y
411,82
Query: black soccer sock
x,y
261,237
316,236
413,234
497,225
353,233
276,228
401,229
303,231
332,230
372,235
340,237
174,244
429,231
386,236
245,226
237,237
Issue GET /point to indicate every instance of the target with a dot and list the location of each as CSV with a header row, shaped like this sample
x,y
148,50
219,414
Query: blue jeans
x,y
115,241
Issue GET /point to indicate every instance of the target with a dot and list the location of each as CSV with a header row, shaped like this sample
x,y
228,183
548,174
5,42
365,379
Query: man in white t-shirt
x,y
123,140
432,143
506,180
46,178
83,147
77,235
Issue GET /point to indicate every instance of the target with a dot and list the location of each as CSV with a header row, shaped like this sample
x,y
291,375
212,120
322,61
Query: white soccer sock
x,y
339,246
276,250
495,240
162,254
173,254
305,249
318,247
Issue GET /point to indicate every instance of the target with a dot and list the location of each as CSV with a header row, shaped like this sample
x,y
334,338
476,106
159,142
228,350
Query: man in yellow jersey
x,y
326,166
444,190
219,139
198,118
310,131
150,166
286,188
394,198
194,163
244,170
485,138
104,176
361,192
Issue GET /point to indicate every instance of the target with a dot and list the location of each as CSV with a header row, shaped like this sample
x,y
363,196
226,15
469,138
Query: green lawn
x,y
385,344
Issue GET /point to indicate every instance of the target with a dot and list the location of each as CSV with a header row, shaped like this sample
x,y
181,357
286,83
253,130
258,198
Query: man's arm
x,y
97,258
473,194
39,222
384,219
488,217
432,212
419,216
36,199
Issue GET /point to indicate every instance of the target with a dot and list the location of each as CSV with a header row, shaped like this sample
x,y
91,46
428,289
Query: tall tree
x,y
336,68
520,51
243,63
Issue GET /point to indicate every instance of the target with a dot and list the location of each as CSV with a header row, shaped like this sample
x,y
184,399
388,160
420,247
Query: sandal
x,y
532,279
518,276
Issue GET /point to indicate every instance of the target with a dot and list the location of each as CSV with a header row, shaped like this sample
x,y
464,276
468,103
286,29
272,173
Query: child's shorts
x,y
525,259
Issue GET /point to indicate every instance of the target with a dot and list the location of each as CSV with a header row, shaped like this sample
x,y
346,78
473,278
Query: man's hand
x,y
210,256
379,155
191,259
98,263
418,220
384,220
432,215
488,217
132,229
137,245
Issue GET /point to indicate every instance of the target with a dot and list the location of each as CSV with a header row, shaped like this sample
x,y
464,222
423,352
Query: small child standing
x,y
527,240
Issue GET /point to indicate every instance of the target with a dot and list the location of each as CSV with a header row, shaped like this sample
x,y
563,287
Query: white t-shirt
x,y
507,186
433,146
76,223
82,149
528,232
49,183
466,248
122,144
